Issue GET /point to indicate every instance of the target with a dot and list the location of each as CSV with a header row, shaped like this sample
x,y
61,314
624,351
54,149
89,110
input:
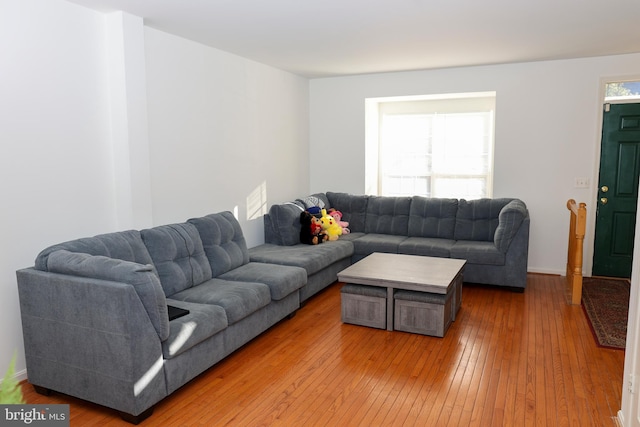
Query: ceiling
x,y
344,37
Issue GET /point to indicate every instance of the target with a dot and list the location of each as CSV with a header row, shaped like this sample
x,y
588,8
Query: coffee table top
x,y
399,271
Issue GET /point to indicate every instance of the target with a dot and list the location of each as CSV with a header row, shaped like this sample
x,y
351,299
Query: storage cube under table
x,y
422,312
364,305
424,292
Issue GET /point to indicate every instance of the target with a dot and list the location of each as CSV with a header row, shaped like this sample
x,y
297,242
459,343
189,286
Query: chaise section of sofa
x,y
95,310
322,263
282,246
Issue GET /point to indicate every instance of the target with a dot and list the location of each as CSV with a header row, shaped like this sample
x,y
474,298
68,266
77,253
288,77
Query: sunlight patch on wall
x,y
257,202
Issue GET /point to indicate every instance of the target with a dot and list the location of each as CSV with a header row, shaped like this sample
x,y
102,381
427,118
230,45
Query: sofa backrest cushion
x,y
124,245
478,219
141,277
387,215
432,217
223,241
353,208
282,226
178,256
510,219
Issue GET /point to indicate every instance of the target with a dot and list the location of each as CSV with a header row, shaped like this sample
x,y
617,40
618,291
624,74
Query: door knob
x,y
604,200
604,189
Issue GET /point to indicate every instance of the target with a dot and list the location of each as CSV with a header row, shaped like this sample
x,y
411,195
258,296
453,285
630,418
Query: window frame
x,y
424,104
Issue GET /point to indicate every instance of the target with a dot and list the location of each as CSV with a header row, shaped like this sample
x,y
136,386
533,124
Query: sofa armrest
x,y
142,277
509,221
90,338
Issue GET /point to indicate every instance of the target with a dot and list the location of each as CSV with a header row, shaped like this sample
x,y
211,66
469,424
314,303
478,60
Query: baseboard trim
x,y
20,375
546,271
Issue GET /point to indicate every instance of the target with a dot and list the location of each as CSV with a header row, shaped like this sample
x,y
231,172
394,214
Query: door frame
x,y
629,411
592,202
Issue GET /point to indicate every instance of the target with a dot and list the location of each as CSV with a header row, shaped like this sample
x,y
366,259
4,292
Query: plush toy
x,y
330,226
316,227
337,215
314,210
311,231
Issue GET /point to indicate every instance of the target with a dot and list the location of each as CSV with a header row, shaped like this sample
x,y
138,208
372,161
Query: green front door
x,y
617,191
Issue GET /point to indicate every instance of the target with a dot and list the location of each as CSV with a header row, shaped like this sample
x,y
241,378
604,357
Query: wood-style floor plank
x,y
509,359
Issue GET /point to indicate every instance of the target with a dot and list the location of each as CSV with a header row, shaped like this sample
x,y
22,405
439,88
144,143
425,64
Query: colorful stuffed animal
x,y
311,232
330,226
338,217
314,210
316,227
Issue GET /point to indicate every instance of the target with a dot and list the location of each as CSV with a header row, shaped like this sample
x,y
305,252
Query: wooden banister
x,y
577,227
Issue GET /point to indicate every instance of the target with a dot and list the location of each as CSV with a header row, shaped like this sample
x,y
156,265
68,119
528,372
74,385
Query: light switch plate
x,y
582,183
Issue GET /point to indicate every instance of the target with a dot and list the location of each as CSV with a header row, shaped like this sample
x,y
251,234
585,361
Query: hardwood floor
x,y
509,359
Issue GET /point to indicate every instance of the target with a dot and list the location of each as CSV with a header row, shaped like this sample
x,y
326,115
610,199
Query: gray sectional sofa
x,y
95,318
95,311
491,234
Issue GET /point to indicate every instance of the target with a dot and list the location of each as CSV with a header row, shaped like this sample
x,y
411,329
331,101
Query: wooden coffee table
x,y
422,274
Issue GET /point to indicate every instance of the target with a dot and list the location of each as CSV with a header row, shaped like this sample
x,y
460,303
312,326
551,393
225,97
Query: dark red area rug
x,y
606,303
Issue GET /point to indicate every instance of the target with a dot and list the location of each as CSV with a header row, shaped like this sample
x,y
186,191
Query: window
x,y
434,146
620,91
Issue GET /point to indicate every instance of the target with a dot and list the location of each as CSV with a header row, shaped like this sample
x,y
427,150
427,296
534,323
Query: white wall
x,y
129,125
84,97
224,132
629,414
548,118
56,181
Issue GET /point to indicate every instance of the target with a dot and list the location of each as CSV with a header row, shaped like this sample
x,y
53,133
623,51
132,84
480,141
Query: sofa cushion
x,y
124,245
281,279
178,256
373,242
141,277
223,241
478,219
426,246
350,237
432,217
312,258
477,252
239,299
509,221
353,209
202,322
387,215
